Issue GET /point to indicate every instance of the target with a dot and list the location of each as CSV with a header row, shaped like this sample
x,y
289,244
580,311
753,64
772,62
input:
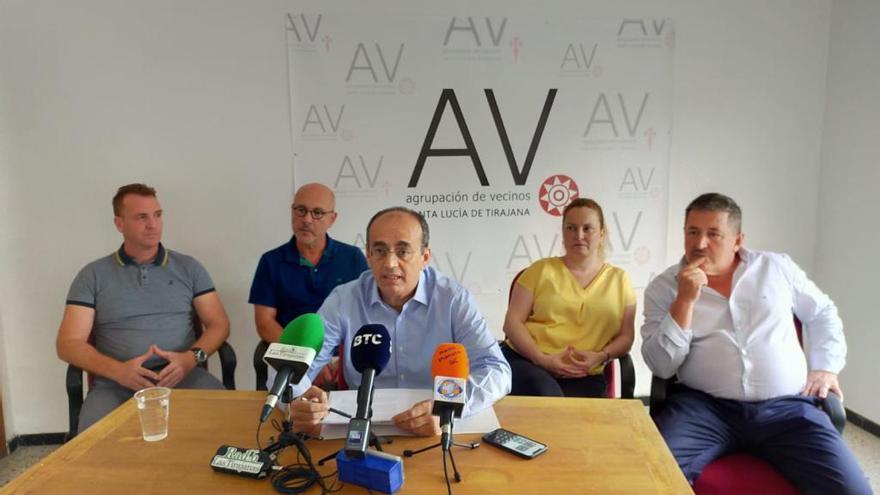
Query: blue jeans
x,y
791,433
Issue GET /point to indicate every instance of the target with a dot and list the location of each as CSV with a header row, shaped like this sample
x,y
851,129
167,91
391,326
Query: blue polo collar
x,y
124,259
293,256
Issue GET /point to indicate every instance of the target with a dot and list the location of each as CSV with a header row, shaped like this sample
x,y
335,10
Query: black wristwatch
x,y
200,354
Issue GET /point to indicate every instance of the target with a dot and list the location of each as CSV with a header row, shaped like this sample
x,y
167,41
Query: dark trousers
x,y
791,433
531,379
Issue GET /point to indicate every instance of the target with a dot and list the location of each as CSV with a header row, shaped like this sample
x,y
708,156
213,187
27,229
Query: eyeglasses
x,y
382,252
317,213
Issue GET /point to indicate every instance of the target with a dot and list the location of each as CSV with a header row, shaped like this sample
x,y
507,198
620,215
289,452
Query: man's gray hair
x,y
717,202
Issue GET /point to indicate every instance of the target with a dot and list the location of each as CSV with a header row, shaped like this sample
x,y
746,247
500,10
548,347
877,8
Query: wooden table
x,y
595,446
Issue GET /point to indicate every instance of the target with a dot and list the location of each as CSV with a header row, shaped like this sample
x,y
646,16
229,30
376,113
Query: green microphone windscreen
x,y
306,330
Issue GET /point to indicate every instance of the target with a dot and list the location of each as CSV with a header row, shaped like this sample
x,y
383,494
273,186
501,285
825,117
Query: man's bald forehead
x,y
315,192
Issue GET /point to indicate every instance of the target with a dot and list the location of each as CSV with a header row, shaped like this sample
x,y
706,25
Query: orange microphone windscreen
x,y
450,360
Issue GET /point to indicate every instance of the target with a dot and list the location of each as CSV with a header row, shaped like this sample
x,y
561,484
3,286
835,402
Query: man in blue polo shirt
x,y
137,306
297,276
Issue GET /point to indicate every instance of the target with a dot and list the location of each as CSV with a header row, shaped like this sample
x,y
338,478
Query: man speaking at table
x,y
421,308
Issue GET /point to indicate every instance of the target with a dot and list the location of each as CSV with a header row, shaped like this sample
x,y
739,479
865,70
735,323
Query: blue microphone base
x,y
376,471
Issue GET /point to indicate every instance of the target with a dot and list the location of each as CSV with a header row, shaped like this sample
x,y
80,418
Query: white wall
x,y
191,97
847,265
5,240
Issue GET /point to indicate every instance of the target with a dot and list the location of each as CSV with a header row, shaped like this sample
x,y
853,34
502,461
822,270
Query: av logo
x,y
556,192
448,265
364,64
636,27
522,250
348,172
620,226
303,29
642,33
603,115
636,180
575,58
495,32
448,98
317,122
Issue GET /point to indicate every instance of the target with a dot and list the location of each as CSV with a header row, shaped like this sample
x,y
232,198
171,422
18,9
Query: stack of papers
x,y
388,402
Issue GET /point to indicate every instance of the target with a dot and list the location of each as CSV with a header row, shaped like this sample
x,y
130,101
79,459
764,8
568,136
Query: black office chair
x,y
76,391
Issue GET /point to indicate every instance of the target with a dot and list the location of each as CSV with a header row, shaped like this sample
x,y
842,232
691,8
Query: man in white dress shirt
x,y
721,320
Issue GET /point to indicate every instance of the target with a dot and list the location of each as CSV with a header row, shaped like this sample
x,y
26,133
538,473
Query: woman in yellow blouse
x,y
569,316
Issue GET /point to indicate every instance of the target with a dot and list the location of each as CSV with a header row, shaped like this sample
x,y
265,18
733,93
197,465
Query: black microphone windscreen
x,y
371,348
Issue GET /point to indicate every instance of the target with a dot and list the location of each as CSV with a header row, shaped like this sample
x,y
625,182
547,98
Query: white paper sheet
x,y
388,402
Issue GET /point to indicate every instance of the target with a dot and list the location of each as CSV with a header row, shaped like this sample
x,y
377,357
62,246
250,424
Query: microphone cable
x,y
301,475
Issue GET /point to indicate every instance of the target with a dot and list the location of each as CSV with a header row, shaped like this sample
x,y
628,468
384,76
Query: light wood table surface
x,y
595,446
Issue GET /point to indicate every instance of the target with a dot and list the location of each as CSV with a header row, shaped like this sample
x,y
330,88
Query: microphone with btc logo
x,y
370,352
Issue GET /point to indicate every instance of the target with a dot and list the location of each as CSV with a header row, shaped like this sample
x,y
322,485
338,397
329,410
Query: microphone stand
x,y
446,444
287,437
363,414
375,441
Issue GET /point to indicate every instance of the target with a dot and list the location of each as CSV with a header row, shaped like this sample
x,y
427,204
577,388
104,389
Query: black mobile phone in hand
x,y
514,443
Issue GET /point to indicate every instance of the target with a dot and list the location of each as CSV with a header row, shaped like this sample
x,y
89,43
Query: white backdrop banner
x,y
489,126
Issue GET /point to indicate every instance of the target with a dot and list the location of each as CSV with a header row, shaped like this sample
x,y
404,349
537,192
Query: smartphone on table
x,y
515,443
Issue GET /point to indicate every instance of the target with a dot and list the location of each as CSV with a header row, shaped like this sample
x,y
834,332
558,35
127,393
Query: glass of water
x,y
152,404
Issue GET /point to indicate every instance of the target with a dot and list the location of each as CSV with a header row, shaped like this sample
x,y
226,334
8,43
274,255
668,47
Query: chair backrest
x,y
627,371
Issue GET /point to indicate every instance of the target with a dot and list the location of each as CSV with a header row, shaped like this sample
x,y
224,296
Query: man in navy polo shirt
x,y
294,278
137,305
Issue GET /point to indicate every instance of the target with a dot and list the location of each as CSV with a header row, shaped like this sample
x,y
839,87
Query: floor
x,y
865,445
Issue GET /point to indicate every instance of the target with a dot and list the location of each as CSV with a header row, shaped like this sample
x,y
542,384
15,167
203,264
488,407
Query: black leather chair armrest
x,y
833,406
228,362
74,384
262,371
660,388
627,377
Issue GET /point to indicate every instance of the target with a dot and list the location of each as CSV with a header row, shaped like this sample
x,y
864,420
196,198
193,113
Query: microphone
x,y
370,352
300,342
450,370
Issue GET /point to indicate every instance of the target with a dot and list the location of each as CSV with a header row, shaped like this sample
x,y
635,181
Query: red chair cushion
x,y
742,473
